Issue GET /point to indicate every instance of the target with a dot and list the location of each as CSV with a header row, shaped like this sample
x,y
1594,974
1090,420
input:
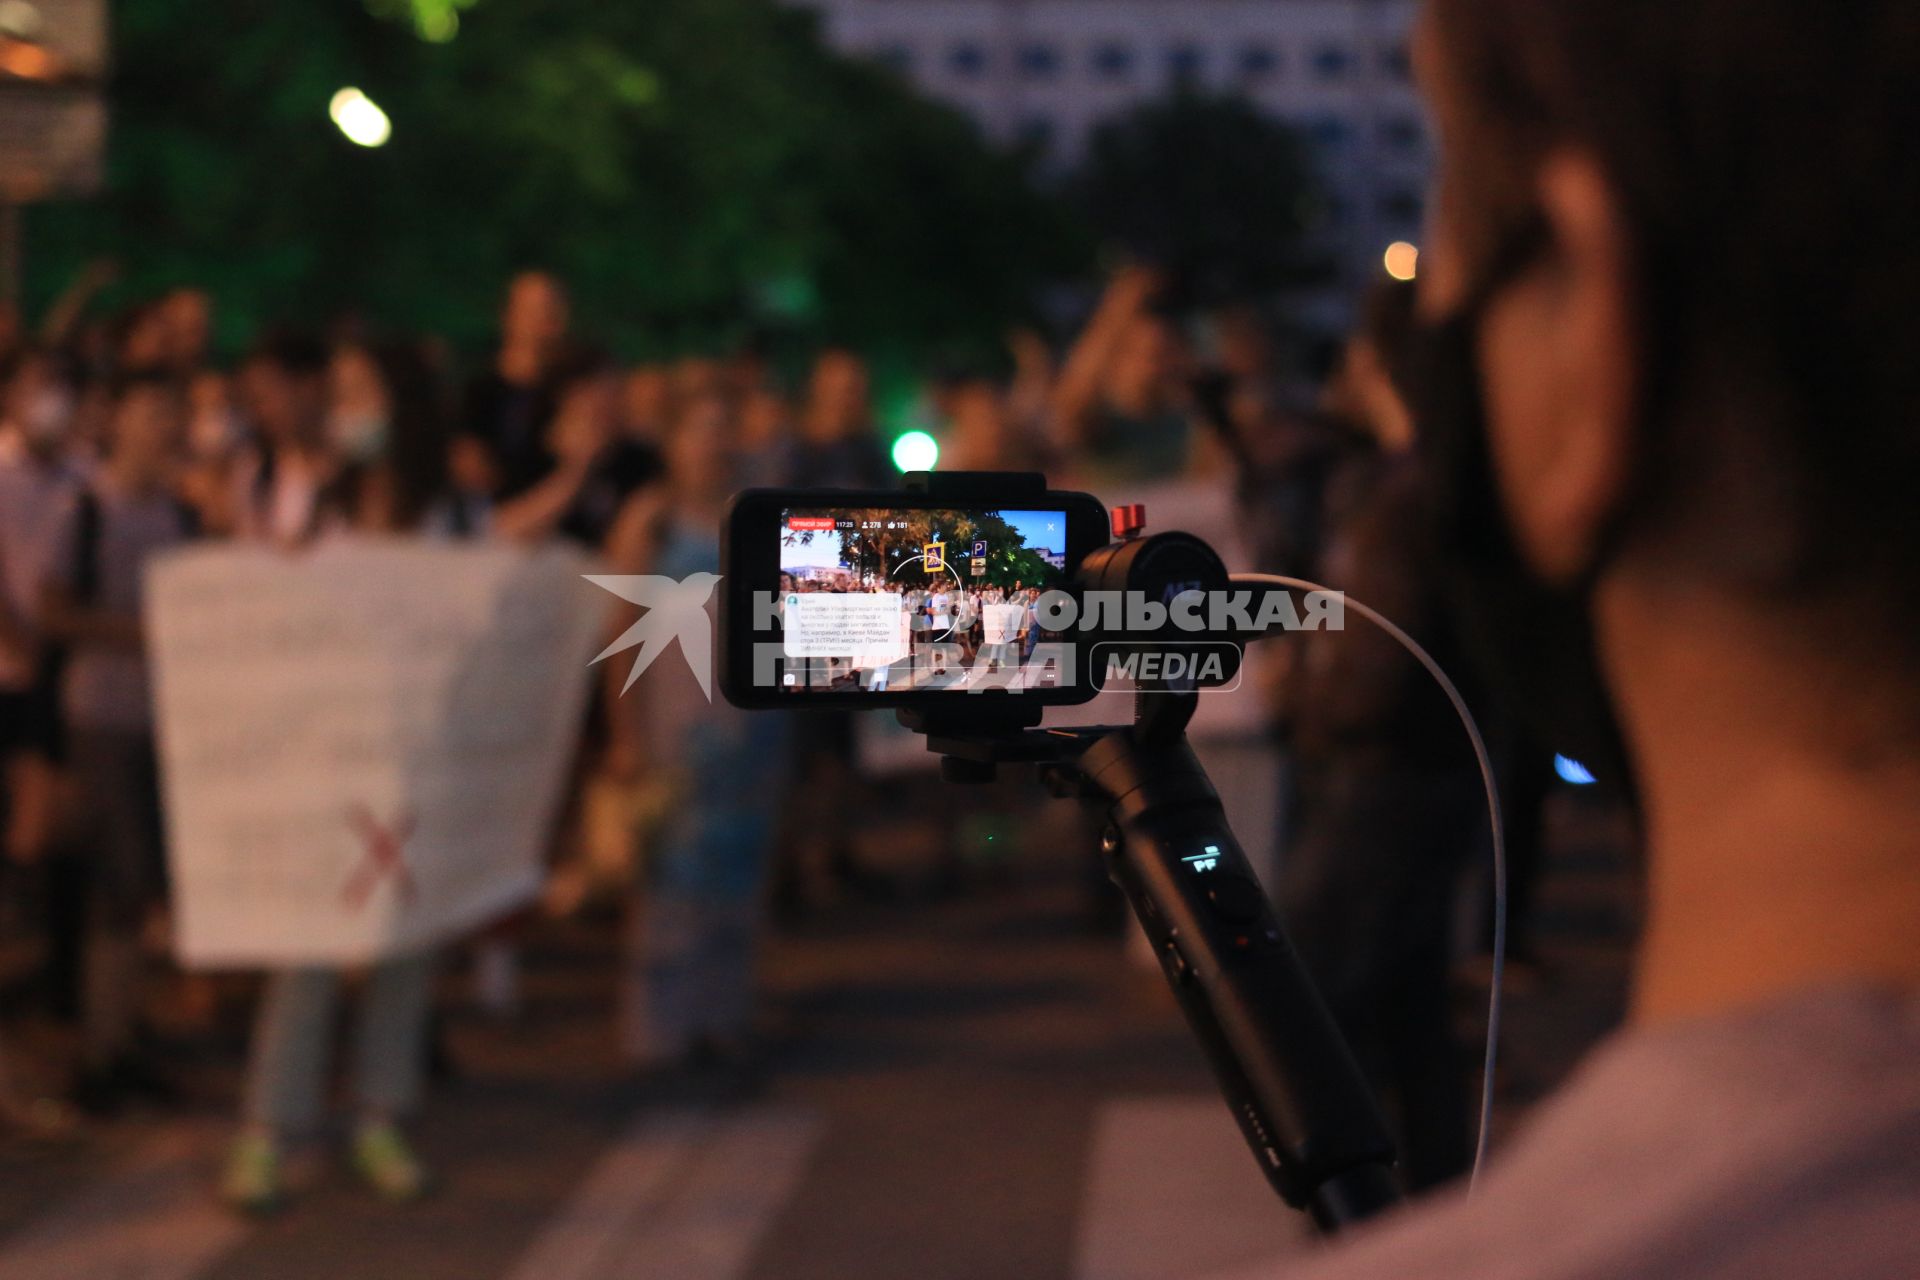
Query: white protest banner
x,y
362,746
1003,622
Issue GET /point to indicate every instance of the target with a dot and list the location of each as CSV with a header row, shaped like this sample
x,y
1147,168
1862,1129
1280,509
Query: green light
x,y
916,451
435,21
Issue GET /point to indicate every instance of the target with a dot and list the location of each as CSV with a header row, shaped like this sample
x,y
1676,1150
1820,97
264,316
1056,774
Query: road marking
x,y
684,1196
153,1218
1171,1190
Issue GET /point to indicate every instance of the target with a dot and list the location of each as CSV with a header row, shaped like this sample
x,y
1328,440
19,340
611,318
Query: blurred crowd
x,y
122,437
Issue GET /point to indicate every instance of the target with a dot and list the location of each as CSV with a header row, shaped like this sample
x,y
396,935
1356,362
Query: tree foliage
x,y
685,164
1216,194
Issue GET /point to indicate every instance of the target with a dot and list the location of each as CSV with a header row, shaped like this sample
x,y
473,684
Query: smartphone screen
x,y
891,600
853,601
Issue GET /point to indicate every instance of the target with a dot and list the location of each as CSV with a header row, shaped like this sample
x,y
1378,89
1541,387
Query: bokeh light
x,y
916,451
1401,260
1571,770
359,118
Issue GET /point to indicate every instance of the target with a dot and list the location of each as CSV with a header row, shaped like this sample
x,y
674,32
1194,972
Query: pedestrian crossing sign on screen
x,y
936,557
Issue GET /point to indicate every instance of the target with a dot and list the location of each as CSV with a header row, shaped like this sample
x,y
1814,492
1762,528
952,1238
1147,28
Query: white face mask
x,y
357,435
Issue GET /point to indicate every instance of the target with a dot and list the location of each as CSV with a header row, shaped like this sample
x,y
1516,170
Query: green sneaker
x,y
386,1163
253,1183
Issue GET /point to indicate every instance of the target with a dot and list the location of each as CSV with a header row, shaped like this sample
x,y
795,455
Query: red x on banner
x,y
386,856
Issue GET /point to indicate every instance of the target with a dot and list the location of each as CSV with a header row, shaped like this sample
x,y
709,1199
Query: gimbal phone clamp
x,y
1276,1053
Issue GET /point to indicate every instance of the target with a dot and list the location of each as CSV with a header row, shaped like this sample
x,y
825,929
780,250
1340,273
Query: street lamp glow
x,y
1401,260
916,451
359,118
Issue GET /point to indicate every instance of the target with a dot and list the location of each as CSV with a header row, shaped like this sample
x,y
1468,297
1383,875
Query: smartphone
x,y
890,598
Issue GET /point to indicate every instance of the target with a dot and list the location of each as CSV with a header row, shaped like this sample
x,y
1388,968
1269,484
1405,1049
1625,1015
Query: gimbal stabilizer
x,y
1280,1061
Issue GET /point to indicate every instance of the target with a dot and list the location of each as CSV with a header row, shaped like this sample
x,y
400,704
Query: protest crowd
x,y
939,624
123,438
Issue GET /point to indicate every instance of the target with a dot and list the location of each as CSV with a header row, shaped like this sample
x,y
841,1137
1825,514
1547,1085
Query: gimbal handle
x,y
1279,1058
1276,1052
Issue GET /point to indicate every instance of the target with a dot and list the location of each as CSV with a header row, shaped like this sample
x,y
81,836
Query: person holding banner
x,y
1000,631
403,490
278,483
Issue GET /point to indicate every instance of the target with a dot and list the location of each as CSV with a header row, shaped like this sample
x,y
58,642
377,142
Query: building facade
x,y
1047,72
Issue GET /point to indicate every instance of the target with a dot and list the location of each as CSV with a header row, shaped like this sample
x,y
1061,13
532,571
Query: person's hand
x,y
1134,288
1030,350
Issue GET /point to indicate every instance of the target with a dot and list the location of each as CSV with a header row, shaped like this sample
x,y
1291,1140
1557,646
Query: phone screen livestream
x,y
917,599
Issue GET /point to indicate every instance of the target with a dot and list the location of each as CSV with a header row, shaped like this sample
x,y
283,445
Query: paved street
x,y
964,1084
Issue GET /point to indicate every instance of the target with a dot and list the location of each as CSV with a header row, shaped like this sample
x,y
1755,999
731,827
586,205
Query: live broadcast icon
x,y
936,557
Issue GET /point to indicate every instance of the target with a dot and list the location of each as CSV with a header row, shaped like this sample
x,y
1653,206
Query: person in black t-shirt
x,y
506,410
589,468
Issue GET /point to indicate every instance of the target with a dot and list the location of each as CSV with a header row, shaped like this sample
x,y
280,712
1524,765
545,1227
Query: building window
x,y
1395,61
1401,133
967,60
1186,61
1259,61
1332,62
1039,61
1113,61
1329,133
897,58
